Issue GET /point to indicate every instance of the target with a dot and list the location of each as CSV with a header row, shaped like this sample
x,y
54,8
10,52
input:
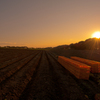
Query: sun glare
x,y
96,35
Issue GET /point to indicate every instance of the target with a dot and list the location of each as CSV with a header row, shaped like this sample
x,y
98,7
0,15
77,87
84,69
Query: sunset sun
x,y
96,35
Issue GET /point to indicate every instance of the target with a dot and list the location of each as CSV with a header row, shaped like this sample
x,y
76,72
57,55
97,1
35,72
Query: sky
x,y
47,23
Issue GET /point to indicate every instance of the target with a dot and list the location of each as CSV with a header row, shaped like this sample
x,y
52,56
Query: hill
x,y
88,44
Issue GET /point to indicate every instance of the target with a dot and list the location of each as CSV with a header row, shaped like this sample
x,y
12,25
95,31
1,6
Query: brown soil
x,y
39,76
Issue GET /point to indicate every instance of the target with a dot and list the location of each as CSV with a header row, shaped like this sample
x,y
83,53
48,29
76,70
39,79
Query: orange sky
x,y
47,23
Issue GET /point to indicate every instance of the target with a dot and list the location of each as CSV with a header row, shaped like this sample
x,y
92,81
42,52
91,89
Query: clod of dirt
x,y
97,96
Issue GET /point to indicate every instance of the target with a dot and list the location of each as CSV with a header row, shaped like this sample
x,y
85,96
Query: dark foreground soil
x,y
39,76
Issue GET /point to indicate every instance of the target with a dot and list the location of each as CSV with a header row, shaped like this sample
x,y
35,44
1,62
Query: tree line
x,y
88,44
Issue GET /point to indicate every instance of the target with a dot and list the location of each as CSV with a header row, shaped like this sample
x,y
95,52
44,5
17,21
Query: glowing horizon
x,y
37,23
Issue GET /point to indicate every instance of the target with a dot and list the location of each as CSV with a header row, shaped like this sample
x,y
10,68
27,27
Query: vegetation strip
x,y
95,66
80,70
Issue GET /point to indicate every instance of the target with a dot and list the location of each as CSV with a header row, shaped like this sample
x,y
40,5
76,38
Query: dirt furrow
x,y
10,55
6,73
69,88
9,62
42,86
12,89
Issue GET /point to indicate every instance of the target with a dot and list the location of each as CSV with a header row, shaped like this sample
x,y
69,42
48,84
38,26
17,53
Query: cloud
x,y
10,44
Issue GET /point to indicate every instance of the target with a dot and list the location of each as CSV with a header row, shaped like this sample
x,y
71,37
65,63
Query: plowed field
x,y
37,75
